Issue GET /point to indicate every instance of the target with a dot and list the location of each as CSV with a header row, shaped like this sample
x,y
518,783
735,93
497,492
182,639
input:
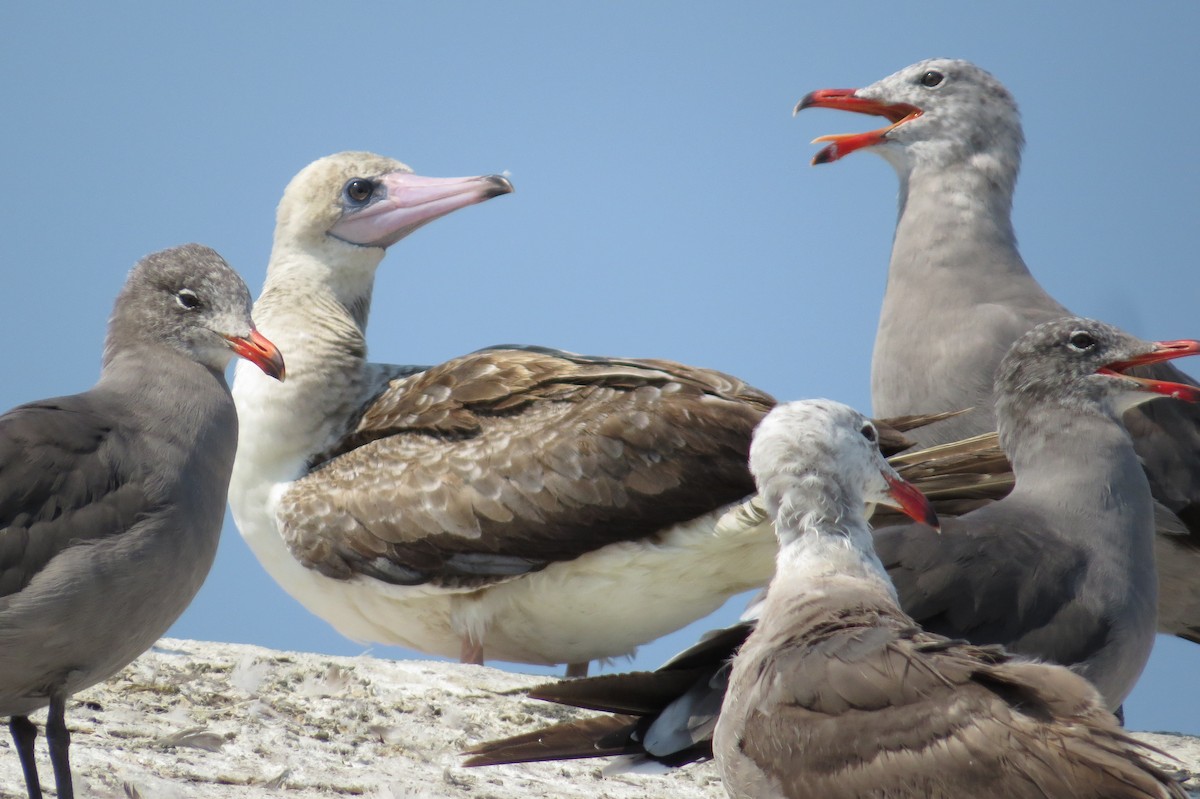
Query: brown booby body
x,y
520,504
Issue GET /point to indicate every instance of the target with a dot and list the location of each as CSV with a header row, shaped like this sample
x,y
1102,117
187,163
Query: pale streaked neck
x,y
822,534
816,559
318,321
337,277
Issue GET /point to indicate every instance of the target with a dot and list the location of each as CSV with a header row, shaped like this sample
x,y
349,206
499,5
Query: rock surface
x,y
205,720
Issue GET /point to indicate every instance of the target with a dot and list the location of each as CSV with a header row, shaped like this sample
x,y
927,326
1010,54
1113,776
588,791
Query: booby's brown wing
x,y
502,461
869,705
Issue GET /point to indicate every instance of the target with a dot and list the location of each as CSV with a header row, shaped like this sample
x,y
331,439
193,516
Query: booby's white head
x,y
340,213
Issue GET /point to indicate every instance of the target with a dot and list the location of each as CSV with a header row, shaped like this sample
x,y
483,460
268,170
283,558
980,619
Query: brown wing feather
x,y
504,460
956,473
601,736
636,693
866,704
957,477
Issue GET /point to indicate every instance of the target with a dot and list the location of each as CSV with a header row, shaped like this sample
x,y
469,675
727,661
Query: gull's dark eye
x,y
932,78
869,433
187,299
359,190
1081,340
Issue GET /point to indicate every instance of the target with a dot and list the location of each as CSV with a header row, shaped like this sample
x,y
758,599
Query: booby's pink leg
x,y
471,652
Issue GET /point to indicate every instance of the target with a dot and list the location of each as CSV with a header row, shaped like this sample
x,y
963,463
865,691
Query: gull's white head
x,y
818,462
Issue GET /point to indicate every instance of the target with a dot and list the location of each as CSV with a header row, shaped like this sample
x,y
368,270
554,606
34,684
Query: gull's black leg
x,y
24,733
59,740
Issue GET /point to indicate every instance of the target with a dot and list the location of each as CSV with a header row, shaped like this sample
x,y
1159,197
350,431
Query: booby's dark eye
x,y
359,190
932,78
187,299
1081,340
869,433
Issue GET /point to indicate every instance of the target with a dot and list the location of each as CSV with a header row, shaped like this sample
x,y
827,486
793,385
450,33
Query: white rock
x,y
208,721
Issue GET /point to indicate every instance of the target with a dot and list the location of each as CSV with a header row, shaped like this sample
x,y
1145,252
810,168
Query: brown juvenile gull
x,y
111,501
958,292
838,693
523,504
1061,569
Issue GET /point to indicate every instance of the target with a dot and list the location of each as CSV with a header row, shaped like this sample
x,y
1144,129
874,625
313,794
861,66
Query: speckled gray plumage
x,y
1061,569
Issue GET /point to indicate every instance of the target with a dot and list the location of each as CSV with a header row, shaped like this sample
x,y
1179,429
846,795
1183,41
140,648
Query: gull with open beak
x,y
959,294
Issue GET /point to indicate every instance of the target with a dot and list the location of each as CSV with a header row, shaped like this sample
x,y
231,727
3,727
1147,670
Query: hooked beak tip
x,y
499,185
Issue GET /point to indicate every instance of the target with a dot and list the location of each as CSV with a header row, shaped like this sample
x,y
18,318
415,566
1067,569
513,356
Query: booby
x,y
517,504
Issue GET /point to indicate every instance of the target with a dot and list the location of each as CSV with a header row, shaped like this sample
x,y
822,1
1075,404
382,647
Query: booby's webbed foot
x,y
471,652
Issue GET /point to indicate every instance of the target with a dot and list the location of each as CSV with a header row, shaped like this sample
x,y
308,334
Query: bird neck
x,y
332,273
315,308
173,399
820,560
318,321
954,252
954,219
1074,459
823,535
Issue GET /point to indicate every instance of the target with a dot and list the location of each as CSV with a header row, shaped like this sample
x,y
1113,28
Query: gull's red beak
x,y
1163,351
910,500
259,350
842,144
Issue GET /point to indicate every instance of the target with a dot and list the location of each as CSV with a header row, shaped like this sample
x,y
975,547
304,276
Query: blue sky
x,y
664,203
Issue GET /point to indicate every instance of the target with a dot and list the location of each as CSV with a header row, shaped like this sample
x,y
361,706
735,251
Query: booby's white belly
x,y
601,605
606,603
